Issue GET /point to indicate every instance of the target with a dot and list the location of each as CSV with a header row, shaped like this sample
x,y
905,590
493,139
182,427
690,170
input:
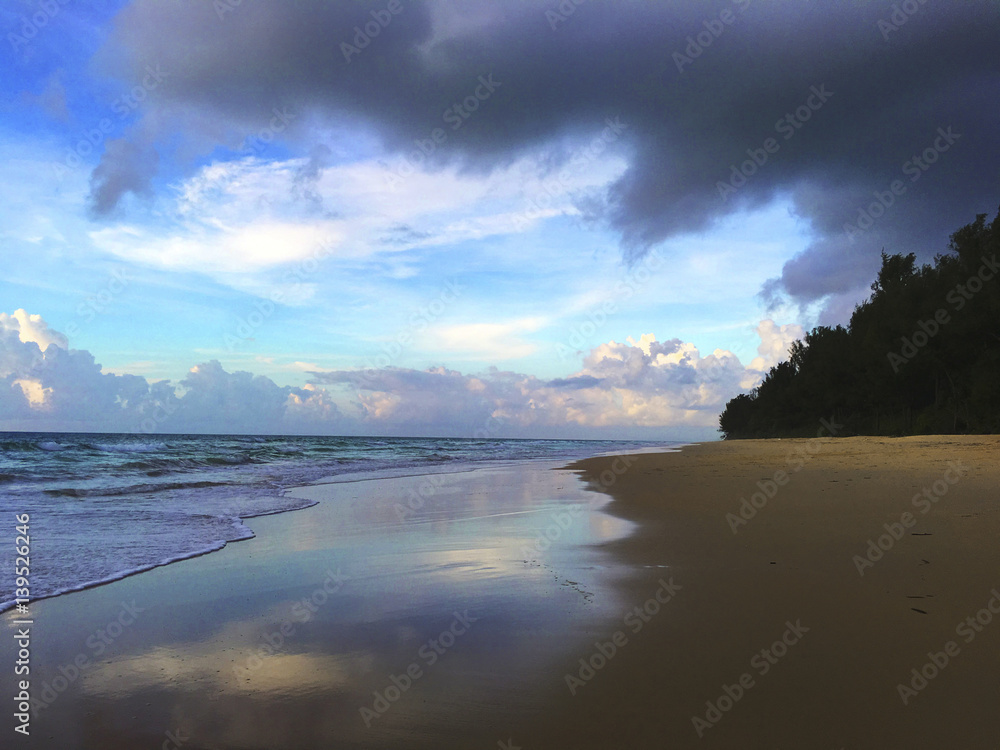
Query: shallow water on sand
x,y
104,506
410,612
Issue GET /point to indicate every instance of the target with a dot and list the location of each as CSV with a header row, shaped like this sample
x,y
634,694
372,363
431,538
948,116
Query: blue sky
x,y
152,226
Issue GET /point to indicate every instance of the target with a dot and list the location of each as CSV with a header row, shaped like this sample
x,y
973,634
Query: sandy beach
x,y
454,611
796,564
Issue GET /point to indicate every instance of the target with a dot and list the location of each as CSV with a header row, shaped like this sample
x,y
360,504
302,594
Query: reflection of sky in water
x,y
473,545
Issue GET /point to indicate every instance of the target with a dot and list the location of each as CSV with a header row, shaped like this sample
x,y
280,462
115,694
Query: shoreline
x,y
290,490
568,611
380,586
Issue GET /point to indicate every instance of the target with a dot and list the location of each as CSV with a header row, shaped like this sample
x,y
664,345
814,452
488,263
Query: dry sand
x,y
793,562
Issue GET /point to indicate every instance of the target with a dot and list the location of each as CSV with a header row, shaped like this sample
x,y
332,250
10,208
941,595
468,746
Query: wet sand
x,y
423,611
454,612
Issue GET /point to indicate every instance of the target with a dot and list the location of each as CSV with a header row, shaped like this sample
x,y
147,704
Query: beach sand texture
x,y
794,562
766,637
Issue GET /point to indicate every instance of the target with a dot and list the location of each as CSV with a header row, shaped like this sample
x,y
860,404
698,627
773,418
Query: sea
x,y
103,506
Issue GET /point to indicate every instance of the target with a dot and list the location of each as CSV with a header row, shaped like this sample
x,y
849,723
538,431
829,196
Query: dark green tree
x,y
921,355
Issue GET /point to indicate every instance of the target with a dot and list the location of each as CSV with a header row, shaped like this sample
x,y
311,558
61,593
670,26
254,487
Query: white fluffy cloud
x,y
640,385
637,384
775,341
65,389
32,329
239,402
59,388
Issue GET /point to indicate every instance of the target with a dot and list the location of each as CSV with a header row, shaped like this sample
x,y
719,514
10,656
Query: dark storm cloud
x,y
867,85
125,167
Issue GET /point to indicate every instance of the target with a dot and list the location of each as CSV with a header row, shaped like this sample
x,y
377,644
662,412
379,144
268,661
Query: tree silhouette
x,y
921,355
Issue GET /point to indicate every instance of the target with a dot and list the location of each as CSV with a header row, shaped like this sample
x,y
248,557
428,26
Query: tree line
x,y
920,356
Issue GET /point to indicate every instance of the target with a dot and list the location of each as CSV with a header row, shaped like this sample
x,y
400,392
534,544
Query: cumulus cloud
x,y
59,388
693,111
637,384
621,388
775,342
66,389
32,329
241,402
641,384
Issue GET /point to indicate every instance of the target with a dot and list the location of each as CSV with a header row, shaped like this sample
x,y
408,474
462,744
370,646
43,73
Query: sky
x,y
478,218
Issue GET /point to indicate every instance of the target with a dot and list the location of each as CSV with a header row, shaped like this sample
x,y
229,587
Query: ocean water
x,y
105,506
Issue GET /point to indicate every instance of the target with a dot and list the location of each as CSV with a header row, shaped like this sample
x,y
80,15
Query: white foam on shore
x,y
242,533
97,518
